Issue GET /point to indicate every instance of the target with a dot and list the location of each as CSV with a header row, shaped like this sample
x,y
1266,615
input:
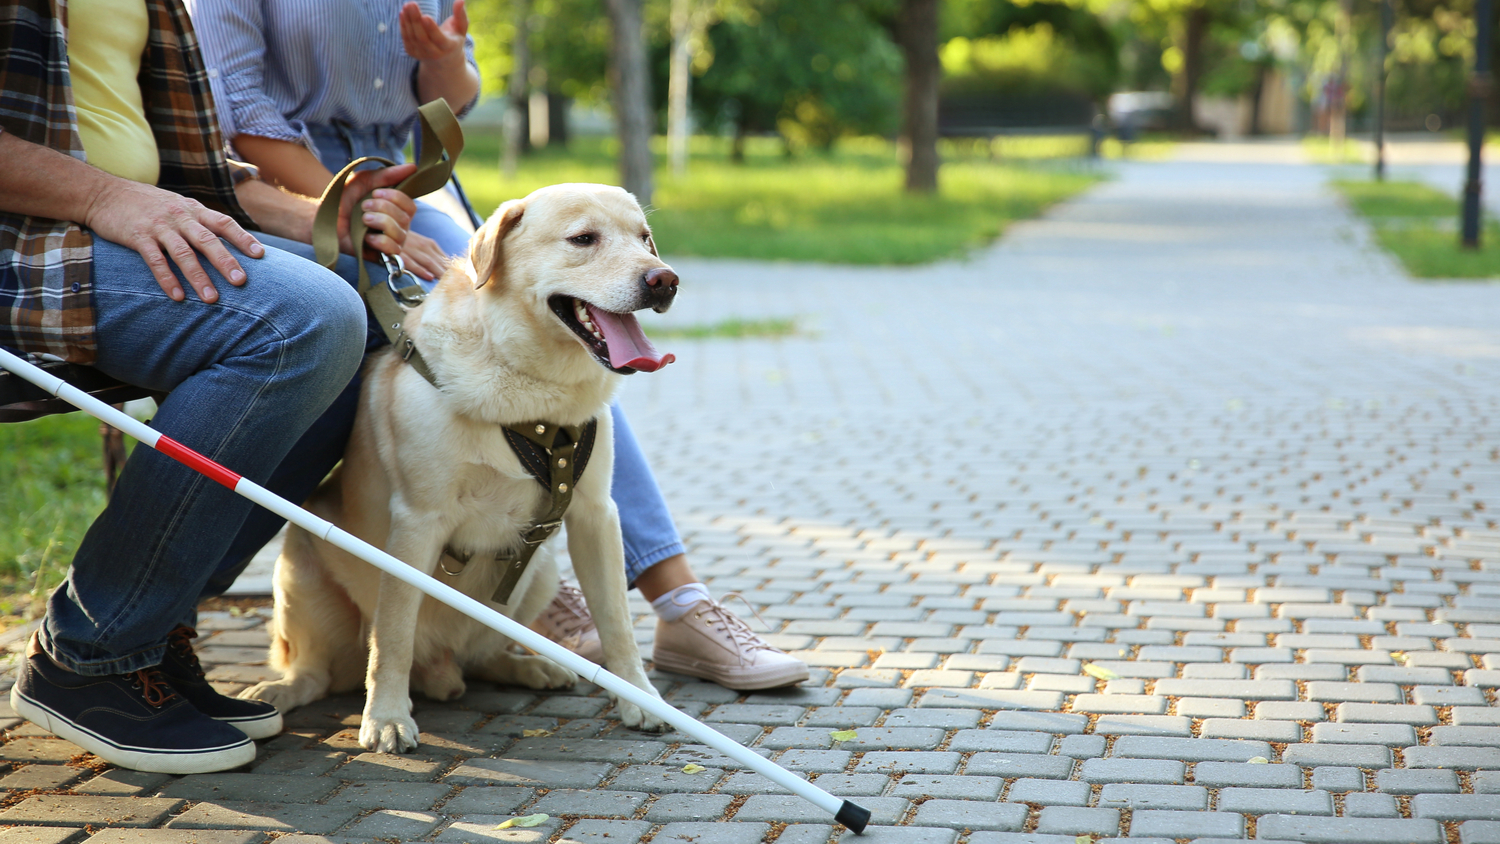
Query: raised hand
x,y
425,40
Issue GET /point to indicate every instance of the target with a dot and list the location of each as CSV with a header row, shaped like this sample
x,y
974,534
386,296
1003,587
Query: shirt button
x,y
379,82
213,73
75,287
380,27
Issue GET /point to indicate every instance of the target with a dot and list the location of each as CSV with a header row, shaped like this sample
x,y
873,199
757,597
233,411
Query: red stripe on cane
x,y
197,462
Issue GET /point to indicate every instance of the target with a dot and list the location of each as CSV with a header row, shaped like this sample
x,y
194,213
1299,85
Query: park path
x,y
1189,428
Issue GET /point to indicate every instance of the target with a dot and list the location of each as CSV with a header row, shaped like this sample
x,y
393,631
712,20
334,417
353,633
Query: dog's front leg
x,y
387,726
599,562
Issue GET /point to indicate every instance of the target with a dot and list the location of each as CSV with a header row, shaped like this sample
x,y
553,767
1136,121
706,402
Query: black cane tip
x,y
852,816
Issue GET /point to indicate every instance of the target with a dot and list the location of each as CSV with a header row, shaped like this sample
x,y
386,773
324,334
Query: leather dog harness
x,y
554,455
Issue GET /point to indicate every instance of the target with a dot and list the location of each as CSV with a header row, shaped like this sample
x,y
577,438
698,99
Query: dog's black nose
x,y
658,289
661,277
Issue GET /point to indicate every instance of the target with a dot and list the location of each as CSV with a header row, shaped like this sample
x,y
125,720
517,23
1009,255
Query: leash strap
x,y
442,142
555,457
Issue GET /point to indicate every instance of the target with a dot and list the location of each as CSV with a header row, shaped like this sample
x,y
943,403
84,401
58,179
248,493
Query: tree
x,y
917,35
630,87
809,70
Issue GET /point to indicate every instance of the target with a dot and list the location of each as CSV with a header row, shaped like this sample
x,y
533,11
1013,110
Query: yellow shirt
x,y
105,41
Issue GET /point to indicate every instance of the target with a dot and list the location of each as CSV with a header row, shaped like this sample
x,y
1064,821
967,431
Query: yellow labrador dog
x,y
537,325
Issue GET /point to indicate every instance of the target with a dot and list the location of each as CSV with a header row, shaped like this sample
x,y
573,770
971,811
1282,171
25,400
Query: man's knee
x,y
335,325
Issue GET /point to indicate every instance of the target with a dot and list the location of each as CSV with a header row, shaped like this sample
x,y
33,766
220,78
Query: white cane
x,y
850,815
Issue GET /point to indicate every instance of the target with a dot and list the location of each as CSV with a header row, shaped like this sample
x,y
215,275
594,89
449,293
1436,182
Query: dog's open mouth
x,y
616,340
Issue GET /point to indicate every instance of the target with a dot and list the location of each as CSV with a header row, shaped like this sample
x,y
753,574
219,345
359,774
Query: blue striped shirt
x,y
276,66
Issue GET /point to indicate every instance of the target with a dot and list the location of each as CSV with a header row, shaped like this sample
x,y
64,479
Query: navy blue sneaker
x,y
255,718
131,720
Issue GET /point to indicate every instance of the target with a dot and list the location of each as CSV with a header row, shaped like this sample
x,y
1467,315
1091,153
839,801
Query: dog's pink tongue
x,y
628,345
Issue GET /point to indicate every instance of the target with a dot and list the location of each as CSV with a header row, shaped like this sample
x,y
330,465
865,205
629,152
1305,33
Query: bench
x,y
22,401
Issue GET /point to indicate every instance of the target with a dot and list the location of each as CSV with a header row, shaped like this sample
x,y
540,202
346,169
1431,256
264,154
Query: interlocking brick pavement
x,y
1171,517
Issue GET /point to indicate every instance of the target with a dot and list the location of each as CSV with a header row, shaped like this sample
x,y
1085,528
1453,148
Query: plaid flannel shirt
x,y
46,293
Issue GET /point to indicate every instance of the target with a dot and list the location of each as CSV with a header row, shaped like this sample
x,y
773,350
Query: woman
x,y
306,87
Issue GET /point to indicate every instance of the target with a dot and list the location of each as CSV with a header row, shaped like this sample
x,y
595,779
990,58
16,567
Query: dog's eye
x,y
586,239
646,238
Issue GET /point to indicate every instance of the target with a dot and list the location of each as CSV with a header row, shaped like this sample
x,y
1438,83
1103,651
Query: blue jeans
x,y
245,377
650,535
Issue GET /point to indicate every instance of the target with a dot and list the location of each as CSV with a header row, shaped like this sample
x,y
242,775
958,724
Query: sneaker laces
x,y
153,685
569,613
739,632
181,639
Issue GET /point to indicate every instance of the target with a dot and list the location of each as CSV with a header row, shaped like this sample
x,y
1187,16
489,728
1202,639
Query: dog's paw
x,y
537,672
388,735
281,695
637,718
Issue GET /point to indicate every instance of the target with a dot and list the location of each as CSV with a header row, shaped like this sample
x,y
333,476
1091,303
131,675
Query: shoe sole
x,y
134,758
737,679
257,727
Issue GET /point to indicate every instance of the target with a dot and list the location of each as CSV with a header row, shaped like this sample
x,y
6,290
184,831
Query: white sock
x,y
675,604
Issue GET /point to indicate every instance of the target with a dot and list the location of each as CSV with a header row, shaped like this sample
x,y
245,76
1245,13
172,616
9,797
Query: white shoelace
x,y
738,630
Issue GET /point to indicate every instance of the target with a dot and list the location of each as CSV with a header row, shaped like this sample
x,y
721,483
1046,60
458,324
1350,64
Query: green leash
x,y
442,142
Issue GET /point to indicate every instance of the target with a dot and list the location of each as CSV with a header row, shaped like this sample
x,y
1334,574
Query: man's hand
x,y
424,257
158,223
426,41
385,210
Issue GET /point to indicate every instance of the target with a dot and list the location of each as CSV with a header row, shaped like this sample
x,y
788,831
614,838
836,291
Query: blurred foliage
x,y
1029,60
809,70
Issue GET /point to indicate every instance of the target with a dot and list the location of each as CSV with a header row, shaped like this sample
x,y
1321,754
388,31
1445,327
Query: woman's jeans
x,y
246,376
650,535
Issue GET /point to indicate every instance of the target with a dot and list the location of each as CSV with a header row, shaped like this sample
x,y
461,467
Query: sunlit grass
x,y
846,206
51,488
1419,225
731,329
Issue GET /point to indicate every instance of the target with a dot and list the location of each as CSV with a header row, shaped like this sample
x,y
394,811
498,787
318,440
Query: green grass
x,y
1419,225
732,329
51,488
844,207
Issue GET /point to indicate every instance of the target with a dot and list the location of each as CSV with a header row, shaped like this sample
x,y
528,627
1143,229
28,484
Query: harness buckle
x,y
538,533
408,348
401,282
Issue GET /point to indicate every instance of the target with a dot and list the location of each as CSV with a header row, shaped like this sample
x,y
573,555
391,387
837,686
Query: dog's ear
x,y
486,247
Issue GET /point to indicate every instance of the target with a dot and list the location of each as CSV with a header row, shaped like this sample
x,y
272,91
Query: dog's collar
x,y
555,457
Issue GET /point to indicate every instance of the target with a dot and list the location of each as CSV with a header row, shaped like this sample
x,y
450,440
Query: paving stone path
x,y
1173,517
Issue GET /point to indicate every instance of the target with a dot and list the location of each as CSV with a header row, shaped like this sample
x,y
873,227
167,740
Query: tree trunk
x,y
737,148
1338,113
630,86
515,119
679,80
1257,93
1196,27
917,33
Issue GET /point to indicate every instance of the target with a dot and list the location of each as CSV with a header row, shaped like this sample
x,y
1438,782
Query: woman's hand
x,y
426,41
158,223
385,210
424,257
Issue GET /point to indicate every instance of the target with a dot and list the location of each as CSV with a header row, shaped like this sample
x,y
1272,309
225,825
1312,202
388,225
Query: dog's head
x,y
586,253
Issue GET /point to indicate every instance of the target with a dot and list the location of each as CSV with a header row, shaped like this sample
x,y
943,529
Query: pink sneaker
x,y
712,643
567,622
